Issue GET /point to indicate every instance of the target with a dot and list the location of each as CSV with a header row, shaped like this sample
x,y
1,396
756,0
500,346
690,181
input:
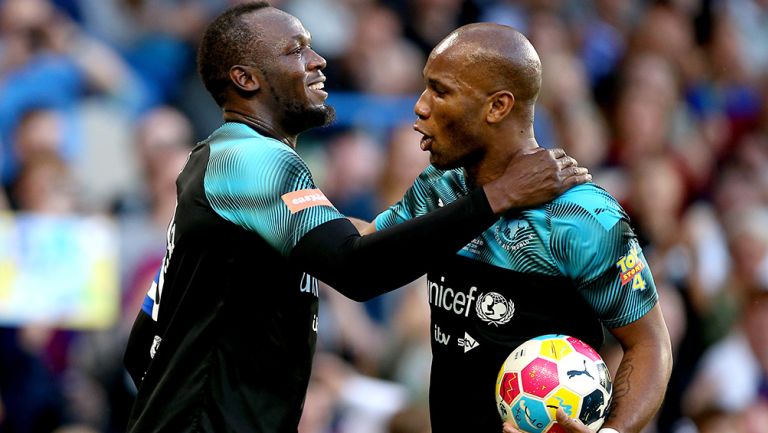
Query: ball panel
x,y
579,374
584,349
555,348
604,377
593,407
504,410
565,398
523,354
539,377
530,415
546,337
509,387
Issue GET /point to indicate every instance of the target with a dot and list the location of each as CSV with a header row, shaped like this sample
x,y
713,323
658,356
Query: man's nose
x,y
422,108
316,61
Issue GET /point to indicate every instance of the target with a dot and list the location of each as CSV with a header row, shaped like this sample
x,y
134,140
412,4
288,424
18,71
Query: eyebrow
x,y
302,38
434,82
299,38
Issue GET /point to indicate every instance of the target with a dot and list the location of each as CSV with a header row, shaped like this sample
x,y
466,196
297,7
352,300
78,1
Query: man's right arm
x,y
266,188
362,267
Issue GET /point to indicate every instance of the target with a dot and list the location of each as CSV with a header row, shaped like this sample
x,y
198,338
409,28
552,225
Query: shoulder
x,y
235,147
244,139
588,195
588,202
589,231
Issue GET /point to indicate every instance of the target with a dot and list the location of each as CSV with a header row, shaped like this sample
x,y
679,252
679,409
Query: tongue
x,y
426,143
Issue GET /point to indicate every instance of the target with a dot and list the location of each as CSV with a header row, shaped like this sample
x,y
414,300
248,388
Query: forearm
x,y
639,386
362,267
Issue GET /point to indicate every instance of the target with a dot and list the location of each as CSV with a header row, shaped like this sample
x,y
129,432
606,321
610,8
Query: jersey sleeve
x,y
594,245
265,187
415,202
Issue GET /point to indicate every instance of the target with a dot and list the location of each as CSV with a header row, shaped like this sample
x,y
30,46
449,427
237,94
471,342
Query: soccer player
x,y
568,266
225,338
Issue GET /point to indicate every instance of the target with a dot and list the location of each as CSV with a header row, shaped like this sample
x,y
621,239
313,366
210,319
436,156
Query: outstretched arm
x,y
362,267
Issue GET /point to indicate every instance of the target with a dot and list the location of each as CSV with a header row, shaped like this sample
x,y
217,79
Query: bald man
x,y
560,268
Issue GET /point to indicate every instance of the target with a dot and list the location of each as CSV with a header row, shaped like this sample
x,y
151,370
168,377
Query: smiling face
x,y
450,110
293,76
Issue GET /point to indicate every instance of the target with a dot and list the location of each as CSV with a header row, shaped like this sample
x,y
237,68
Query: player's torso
x,y
505,286
237,324
500,290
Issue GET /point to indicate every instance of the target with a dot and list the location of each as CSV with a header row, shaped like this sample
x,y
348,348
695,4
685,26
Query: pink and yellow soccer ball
x,y
549,372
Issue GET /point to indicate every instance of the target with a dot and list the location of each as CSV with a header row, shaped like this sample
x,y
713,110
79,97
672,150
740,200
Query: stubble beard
x,y
300,118
457,154
447,165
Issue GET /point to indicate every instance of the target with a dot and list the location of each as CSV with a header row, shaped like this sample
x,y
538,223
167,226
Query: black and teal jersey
x,y
567,267
225,338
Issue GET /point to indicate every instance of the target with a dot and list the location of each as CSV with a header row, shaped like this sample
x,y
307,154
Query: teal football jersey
x,y
225,338
569,267
260,184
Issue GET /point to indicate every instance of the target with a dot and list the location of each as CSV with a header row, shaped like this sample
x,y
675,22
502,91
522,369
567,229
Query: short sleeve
x,y
264,186
594,245
415,202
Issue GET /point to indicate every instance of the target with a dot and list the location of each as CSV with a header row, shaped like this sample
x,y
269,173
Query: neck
x,y
260,124
498,154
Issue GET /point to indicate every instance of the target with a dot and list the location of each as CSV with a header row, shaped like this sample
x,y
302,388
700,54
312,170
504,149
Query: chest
x,y
516,244
474,304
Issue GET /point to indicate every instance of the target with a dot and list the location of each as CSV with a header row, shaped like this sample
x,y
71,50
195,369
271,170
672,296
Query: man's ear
x,y
245,78
499,106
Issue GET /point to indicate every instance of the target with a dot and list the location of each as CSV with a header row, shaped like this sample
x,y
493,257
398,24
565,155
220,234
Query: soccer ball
x,y
548,372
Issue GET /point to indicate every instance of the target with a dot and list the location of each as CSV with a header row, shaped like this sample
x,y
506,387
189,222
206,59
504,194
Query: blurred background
x,y
666,102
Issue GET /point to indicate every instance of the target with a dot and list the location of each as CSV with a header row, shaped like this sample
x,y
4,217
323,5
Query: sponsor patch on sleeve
x,y
630,267
305,198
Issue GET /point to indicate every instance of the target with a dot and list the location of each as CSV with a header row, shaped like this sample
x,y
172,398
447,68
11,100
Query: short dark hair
x,y
226,42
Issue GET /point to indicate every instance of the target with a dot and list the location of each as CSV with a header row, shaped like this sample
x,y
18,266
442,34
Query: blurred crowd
x,y
666,102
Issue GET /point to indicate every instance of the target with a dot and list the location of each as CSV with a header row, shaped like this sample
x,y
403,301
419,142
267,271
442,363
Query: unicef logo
x,y
493,308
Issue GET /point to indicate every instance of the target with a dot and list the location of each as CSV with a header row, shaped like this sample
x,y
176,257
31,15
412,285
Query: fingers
x,y
573,176
509,428
572,181
557,153
575,171
571,425
566,162
562,159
